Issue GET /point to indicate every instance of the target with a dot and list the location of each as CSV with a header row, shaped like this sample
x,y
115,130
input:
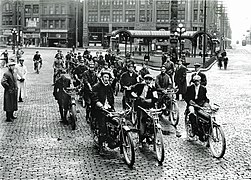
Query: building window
x,y
57,9
194,28
195,15
117,2
63,10
105,2
201,16
130,16
117,16
162,15
104,15
93,16
45,10
51,24
142,16
142,2
27,9
130,2
196,5
63,24
45,24
6,7
35,9
51,10
7,20
56,24
93,2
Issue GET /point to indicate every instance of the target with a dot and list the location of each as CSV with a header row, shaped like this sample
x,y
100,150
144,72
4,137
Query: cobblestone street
x,y
37,146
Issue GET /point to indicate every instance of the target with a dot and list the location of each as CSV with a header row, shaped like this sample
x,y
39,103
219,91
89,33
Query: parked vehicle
x,y
208,129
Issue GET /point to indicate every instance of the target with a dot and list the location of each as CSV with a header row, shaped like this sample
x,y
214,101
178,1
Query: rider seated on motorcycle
x,y
102,98
162,83
196,98
37,57
147,97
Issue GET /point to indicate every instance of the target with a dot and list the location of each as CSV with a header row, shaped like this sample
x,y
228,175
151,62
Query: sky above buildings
x,y
239,16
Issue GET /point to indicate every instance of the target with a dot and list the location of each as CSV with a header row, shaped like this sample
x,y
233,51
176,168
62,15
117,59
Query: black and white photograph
x,y
125,89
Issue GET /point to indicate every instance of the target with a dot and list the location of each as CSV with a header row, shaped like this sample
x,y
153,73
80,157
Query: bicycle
x,y
208,130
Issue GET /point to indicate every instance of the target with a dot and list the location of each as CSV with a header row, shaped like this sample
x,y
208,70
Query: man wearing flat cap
x,y
9,82
198,72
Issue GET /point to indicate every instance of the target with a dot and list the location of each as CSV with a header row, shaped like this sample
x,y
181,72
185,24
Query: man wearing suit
x,y
128,79
202,75
9,82
196,97
180,79
147,97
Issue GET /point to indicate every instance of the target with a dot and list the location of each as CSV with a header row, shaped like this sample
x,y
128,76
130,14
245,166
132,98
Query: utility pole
x,y
77,4
204,39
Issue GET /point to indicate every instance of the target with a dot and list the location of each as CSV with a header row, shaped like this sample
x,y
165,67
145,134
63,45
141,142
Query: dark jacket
x,y
138,89
100,92
9,82
202,95
127,80
163,81
180,79
203,78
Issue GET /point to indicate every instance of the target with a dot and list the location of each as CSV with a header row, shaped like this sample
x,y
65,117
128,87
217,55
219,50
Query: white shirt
x,y
144,92
21,71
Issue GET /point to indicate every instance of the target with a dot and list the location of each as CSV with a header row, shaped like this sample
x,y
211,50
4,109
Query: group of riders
x,y
99,76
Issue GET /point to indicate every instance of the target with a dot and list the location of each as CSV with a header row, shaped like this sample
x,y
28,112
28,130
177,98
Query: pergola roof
x,y
151,34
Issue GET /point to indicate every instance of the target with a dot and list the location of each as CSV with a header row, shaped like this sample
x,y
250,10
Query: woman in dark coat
x,y
9,82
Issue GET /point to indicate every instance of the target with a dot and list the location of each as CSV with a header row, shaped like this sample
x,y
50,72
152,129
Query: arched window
x,y
7,7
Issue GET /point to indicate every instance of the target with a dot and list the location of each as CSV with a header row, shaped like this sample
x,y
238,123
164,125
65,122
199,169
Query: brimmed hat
x,y
21,59
148,76
196,78
197,65
106,72
11,63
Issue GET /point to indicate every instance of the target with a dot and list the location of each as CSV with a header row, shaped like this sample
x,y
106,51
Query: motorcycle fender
x,y
73,102
158,126
126,128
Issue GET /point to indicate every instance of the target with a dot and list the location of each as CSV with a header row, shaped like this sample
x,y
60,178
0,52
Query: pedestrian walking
x,y
9,82
225,62
21,80
163,58
180,79
5,57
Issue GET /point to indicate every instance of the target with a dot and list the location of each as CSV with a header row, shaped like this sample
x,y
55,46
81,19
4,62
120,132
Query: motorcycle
x,y
118,134
208,130
170,105
153,131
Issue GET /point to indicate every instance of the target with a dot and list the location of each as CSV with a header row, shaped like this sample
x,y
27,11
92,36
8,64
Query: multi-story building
x,y
58,20
103,16
42,22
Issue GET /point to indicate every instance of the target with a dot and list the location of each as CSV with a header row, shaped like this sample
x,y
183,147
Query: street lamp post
x,y
14,34
180,29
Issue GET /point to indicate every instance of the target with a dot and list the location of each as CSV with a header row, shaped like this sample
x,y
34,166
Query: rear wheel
x,y
174,114
159,145
217,141
73,116
128,148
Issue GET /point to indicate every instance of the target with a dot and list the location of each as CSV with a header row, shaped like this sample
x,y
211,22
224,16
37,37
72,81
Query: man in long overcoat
x,y
180,79
9,82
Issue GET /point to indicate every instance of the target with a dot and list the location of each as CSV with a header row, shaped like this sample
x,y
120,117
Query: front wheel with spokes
x,y
159,145
128,148
188,126
174,114
73,116
217,141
